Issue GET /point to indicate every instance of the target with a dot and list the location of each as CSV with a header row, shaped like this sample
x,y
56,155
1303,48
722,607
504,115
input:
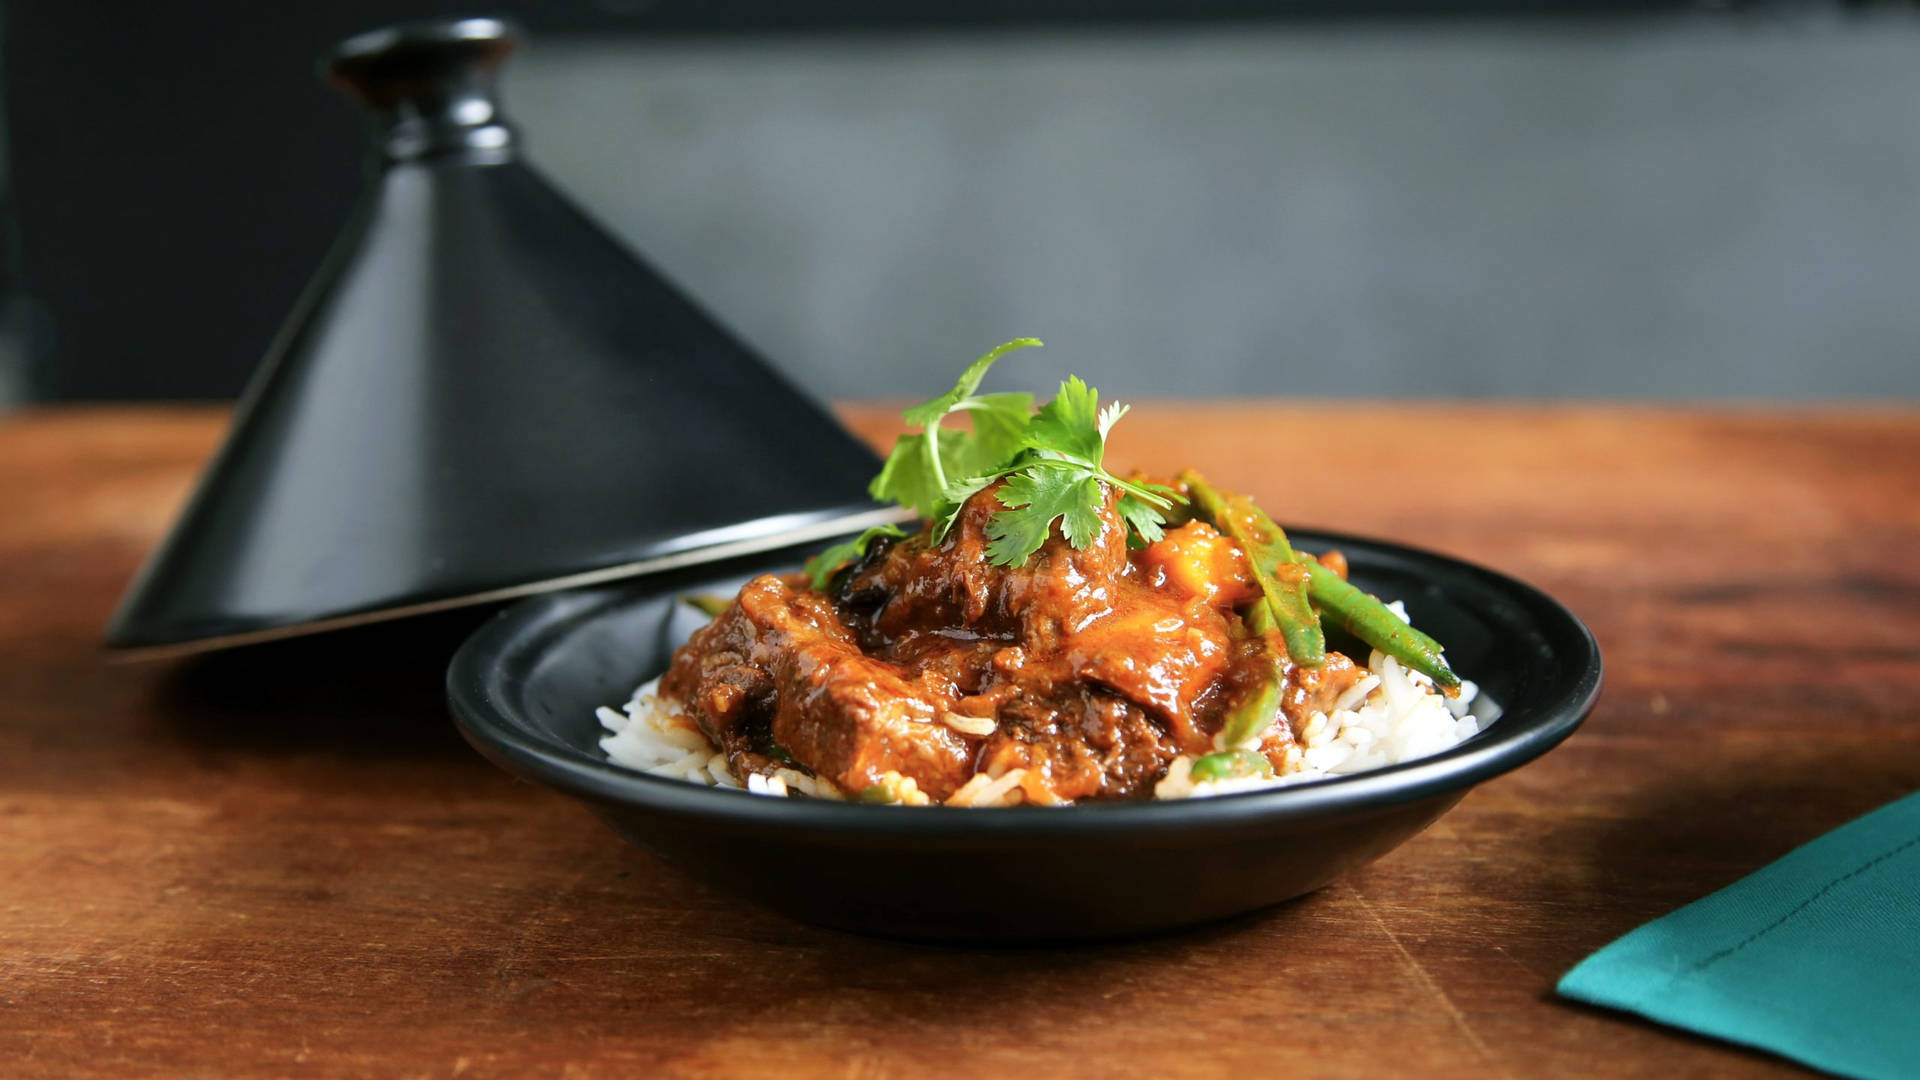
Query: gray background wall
x,y
1646,205
1670,208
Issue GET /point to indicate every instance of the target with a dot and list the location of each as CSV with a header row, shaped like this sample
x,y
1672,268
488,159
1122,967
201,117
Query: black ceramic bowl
x,y
524,689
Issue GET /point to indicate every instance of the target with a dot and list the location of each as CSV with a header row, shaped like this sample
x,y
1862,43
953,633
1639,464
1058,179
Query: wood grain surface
x,y
283,861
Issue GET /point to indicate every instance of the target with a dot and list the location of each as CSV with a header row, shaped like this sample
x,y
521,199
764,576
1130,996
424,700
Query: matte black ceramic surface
x,y
481,394
524,689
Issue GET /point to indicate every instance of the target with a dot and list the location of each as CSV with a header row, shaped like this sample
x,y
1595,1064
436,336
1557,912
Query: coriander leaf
x,y
1168,495
1034,499
943,520
1080,516
821,567
907,479
929,413
999,432
920,465
1070,423
1158,496
954,495
1146,520
961,490
1051,460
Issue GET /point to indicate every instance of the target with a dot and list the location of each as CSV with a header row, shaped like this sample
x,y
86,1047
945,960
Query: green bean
x,y
1259,620
887,790
1252,714
707,602
1271,557
1230,765
1375,623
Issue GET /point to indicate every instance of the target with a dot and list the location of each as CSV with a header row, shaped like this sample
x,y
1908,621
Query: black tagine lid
x,y
481,395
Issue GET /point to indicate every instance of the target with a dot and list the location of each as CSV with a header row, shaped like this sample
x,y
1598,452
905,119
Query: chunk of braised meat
x,y
1076,614
781,662
1092,743
919,588
1165,655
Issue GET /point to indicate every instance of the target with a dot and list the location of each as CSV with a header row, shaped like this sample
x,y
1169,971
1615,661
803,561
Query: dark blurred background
x,y
1639,200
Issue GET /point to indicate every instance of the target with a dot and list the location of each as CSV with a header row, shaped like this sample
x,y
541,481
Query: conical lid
x,y
482,394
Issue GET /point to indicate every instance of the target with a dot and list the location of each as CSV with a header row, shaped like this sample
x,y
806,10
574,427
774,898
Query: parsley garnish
x,y
1052,462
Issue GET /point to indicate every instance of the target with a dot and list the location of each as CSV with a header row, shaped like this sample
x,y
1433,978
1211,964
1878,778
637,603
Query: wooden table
x,y
284,861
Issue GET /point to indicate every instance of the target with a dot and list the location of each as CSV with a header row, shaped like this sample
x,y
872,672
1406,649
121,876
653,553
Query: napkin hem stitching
x,y
1812,1047
1703,964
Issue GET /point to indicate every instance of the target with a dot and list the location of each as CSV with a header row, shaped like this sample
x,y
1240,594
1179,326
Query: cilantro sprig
x,y
927,469
1052,461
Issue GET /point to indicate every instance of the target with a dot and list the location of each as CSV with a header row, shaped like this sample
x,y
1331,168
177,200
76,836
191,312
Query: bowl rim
x,y
476,697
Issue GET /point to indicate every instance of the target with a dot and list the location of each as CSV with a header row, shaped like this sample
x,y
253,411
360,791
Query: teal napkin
x,y
1816,957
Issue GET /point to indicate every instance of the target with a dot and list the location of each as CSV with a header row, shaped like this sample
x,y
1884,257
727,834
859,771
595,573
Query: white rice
x,y
1390,716
651,735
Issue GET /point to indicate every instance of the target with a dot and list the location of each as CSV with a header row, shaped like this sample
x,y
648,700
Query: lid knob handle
x,y
430,86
